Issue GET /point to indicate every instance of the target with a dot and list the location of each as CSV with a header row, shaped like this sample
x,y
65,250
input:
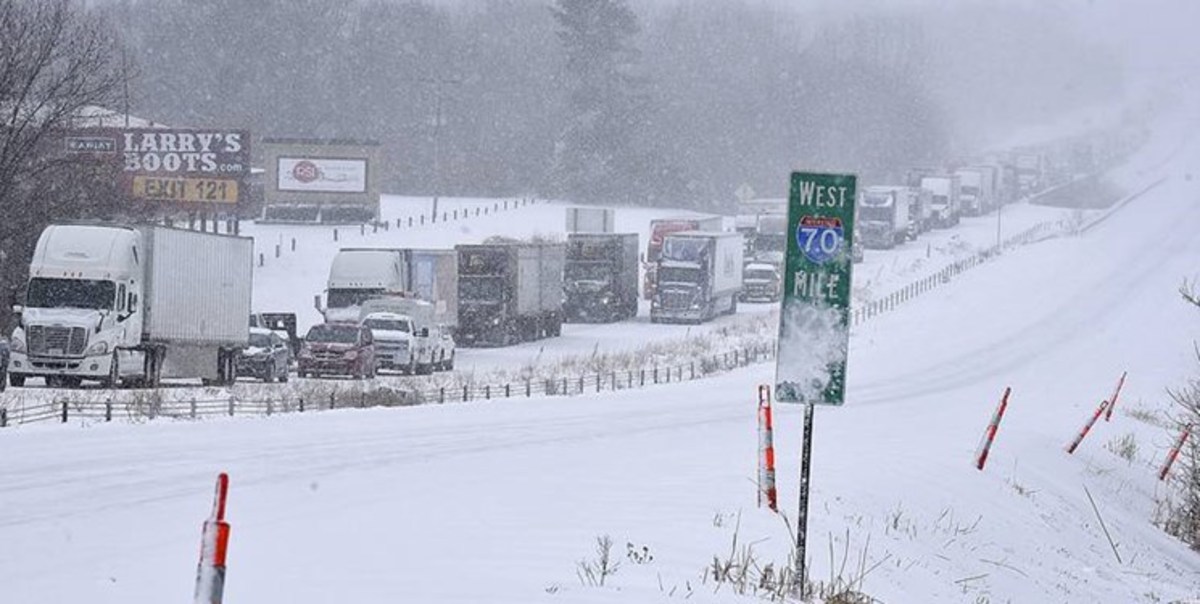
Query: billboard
x,y
169,165
321,180
185,165
320,174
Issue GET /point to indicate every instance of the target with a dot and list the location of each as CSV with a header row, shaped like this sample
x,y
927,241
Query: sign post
x,y
814,328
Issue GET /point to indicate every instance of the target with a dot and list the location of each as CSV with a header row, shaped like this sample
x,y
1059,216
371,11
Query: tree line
x,y
601,101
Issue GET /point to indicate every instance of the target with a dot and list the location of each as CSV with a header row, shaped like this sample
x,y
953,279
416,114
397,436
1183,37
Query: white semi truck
x,y
699,276
361,274
977,189
133,303
943,199
885,216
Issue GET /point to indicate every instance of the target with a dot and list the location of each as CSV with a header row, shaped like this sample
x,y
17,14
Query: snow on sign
x,y
813,326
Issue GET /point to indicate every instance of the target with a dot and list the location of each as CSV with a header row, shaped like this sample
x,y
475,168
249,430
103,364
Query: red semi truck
x,y
660,228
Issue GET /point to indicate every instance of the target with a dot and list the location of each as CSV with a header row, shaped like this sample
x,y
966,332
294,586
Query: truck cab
x,y
82,306
699,276
761,282
943,199
884,219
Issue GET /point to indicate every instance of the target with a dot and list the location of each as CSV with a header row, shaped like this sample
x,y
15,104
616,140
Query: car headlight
x,y
97,349
351,354
18,345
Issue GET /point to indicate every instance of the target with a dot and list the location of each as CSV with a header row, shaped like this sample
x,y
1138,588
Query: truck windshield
x,y
480,289
260,340
587,271
339,334
770,243
675,274
342,298
760,275
70,293
387,325
679,248
877,199
940,200
966,190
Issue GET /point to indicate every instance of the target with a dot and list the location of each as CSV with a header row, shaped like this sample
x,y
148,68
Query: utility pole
x,y
439,96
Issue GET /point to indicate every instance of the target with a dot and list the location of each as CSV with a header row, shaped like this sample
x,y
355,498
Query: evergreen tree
x,y
601,155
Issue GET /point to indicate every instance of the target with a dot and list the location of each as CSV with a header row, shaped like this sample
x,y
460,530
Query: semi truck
x,y
115,303
361,274
600,278
977,189
1031,168
768,243
943,199
699,277
884,216
509,292
660,228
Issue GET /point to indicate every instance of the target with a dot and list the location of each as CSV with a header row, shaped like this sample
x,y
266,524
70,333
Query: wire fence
x,y
343,233
158,404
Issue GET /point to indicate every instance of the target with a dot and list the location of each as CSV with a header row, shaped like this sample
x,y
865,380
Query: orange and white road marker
x,y
1166,469
989,435
214,541
766,451
1112,402
1087,427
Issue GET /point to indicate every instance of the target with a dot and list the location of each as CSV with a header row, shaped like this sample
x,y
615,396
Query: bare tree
x,y
56,59
1183,518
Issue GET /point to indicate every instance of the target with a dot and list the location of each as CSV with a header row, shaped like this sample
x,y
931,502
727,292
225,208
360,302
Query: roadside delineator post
x,y
1174,453
1087,427
766,451
1112,402
989,435
214,542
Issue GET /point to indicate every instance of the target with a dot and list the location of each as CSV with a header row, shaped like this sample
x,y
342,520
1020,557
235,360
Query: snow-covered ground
x,y
498,502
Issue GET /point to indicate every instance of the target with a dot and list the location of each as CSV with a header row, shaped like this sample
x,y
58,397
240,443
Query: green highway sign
x,y
814,328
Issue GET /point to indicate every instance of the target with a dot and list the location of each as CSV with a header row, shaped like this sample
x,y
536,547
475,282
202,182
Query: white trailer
x,y
884,218
133,303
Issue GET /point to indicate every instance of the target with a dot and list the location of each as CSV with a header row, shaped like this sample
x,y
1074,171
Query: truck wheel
x,y
114,374
3,378
16,380
450,363
283,377
269,374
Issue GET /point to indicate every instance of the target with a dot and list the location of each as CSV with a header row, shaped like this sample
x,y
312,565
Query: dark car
x,y
338,349
4,354
267,357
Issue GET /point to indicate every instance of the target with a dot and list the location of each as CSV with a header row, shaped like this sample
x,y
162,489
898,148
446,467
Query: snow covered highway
x,y
498,501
